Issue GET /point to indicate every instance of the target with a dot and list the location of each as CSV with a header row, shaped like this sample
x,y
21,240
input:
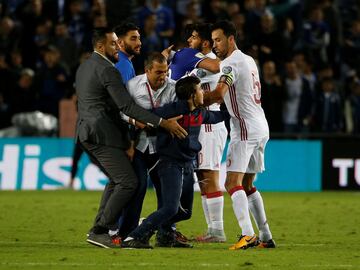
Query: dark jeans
x,y
177,190
122,184
142,163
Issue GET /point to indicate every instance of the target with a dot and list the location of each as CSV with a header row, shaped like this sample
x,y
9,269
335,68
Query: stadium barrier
x,y
291,165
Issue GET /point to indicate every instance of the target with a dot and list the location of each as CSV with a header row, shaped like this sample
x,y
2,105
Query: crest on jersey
x,y
226,70
200,73
199,55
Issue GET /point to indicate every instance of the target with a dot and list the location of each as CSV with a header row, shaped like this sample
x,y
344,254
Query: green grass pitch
x,y
47,230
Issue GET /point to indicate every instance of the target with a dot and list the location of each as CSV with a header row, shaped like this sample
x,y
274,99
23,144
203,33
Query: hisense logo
x,y
31,167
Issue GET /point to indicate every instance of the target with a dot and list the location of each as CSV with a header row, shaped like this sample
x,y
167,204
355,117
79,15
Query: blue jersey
x,y
125,67
184,61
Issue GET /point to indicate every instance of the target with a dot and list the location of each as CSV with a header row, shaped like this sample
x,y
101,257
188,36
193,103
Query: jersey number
x,y
257,89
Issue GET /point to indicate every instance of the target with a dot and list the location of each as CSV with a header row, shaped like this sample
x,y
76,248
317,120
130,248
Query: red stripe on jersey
x,y
206,88
234,189
235,108
214,194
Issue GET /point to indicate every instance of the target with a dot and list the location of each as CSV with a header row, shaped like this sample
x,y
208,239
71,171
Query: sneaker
x,y
169,239
267,244
212,236
209,238
135,244
179,236
175,243
245,242
101,240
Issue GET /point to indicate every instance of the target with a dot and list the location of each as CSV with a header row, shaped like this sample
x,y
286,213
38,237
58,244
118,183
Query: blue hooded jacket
x,y
183,150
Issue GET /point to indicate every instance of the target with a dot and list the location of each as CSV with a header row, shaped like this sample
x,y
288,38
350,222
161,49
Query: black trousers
x,y
122,184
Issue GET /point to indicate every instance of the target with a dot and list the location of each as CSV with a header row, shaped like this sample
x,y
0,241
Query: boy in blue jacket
x,y
175,166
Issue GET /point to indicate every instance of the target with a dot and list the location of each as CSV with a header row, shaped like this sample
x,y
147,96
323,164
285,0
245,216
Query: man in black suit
x,y
104,136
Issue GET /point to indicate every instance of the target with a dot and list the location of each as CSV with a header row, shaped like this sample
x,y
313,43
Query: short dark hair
x,y
204,31
154,57
186,87
227,27
99,35
123,28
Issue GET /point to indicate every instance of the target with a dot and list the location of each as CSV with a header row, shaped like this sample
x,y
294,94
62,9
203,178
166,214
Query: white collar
x,y
144,80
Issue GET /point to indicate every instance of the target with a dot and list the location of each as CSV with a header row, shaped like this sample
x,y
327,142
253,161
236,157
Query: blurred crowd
x,y
307,51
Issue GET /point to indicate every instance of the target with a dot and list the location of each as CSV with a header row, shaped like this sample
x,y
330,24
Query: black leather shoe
x,y
135,243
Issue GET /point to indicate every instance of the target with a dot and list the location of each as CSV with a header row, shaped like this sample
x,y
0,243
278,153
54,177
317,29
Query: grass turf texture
x,y
47,230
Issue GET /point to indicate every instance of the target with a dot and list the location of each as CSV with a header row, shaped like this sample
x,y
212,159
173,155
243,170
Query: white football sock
x,y
215,207
241,210
113,232
206,211
256,206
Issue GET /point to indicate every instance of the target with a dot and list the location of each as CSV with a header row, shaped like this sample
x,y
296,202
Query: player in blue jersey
x,y
130,45
186,59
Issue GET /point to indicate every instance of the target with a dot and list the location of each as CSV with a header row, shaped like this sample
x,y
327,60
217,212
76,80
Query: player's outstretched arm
x,y
209,64
217,95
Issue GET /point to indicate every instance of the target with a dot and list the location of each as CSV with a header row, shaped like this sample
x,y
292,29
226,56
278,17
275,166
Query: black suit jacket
x,y
101,96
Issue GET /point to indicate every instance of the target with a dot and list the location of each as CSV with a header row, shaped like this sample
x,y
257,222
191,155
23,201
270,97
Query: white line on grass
x,y
207,265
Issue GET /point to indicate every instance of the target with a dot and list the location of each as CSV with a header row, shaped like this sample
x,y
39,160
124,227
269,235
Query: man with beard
x,y
101,133
239,87
212,138
186,59
130,44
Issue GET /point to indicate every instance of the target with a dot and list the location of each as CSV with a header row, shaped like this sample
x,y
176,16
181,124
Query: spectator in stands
x,y
119,11
9,34
272,96
305,66
99,21
332,18
191,16
254,10
24,96
52,81
270,42
150,40
31,15
16,62
77,21
355,107
351,51
215,11
66,45
298,101
232,8
317,36
165,23
328,116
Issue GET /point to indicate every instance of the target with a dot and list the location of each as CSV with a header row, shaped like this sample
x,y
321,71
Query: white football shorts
x,y
213,144
246,156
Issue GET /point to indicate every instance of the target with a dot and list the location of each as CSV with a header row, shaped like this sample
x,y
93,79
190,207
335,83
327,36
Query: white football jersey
x,y
243,98
209,81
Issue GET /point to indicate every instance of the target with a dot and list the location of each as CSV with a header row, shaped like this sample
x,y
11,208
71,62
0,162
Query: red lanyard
x,y
150,95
